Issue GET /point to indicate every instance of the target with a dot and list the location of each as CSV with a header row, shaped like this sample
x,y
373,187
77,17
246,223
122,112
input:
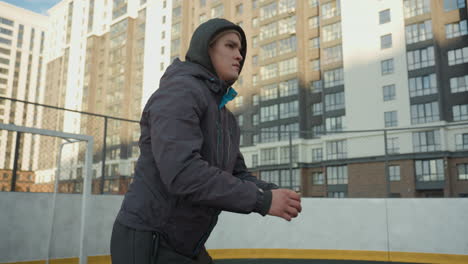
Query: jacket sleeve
x,y
241,172
174,113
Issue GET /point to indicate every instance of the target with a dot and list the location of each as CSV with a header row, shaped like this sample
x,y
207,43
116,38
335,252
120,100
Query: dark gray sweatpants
x,y
130,246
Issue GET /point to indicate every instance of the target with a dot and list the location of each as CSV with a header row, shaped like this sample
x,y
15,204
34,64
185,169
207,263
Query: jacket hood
x,y
199,44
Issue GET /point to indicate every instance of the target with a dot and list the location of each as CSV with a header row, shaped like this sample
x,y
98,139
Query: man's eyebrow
x,y
237,44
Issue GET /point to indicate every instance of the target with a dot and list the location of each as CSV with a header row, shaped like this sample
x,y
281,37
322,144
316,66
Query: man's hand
x,y
285,204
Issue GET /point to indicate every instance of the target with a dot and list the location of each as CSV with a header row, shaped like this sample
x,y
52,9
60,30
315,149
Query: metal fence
x,y
418,161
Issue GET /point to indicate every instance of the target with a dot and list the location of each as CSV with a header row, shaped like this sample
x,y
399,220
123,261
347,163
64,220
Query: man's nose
x,y
238,56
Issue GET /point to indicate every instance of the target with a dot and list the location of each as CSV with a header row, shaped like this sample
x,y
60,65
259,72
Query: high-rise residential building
x,y
106,57
22,76
330,67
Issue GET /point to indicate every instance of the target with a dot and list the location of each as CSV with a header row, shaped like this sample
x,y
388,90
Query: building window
x,y
239,9
317,154
313,3
391,119
453,4
254,79
5,41
291,128
254,160
331,9
389,92
456,29
424,113
333,78
426,141
269,113
284,154
254,4
255,99
176,12
394,172
315,86
163,34
336,123
239,101
287,66
269,92
315,65
332,54
240,120
314,43
418,32
269,30
461,141
384,16
429,170
255,119
462,171
164,19
162,50
268,11
420,58
202,18
289,87
217,11
287,45
202,3
269,71
331,32
336,195
289,109
317,130
268,156
6,31
255,22
268,51
337,175
416,7
458,56
386,41
460,112
317,178
336,149
5,21
314,22
387,66
175,45
422,85
161,66
334,101
459,84
269,134
254,60
286,6
393,145
317,109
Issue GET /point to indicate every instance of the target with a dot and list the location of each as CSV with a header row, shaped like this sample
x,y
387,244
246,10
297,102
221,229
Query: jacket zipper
x,y
219,137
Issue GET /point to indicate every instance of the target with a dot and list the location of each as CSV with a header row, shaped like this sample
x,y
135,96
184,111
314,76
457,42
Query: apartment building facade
x,y
22,76
394,72
106,58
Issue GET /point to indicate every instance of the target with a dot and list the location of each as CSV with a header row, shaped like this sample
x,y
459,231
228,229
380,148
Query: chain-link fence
x,y
422,161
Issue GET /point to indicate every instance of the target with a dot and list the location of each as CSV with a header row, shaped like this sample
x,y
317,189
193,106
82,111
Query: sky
x,y
38,6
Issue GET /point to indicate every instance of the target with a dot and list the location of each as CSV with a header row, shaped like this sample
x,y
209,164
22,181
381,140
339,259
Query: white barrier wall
x,y
404,225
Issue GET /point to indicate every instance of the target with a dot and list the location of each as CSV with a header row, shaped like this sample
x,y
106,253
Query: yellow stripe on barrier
x,y
338,255
269,253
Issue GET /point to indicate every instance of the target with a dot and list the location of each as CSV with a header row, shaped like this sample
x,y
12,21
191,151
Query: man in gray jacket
x,y
190,167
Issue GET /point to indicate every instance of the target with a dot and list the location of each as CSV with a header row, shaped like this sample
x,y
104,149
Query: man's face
x,y
226,56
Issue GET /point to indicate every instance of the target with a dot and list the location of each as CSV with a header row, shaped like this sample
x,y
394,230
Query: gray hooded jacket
x,y
190,167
